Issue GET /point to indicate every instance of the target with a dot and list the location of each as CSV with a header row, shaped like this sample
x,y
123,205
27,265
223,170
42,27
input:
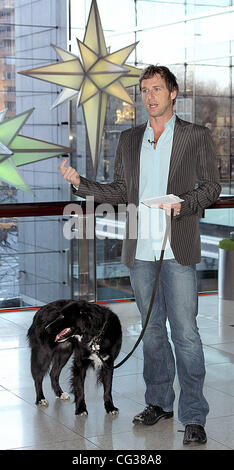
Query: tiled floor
x,y
23,425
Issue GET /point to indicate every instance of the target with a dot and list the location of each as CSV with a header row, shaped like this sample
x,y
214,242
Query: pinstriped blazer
x,y
193,176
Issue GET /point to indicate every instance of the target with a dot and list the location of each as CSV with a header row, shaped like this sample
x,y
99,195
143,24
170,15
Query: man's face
x,y
158,100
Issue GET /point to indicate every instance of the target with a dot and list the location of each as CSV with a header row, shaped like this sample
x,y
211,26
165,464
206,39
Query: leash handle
x,y
168,225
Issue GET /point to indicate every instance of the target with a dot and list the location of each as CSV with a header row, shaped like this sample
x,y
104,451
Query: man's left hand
x,y
169,207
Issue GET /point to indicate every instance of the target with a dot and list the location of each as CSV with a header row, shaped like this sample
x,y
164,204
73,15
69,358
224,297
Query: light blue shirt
x,y
154,170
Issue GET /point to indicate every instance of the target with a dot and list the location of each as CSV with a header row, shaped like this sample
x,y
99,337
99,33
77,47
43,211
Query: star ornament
x,y
17,150
93,79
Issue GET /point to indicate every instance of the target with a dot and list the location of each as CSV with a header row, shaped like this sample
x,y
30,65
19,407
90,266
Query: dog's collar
x,y
99,336
94,343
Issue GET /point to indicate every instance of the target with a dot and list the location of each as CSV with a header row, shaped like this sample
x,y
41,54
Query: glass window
x,y
34,266
195,7
212,80
212,112
112,276
156,13
199,51
155,45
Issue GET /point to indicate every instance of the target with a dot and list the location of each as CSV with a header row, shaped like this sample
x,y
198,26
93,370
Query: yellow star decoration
x,y
98,76
17,150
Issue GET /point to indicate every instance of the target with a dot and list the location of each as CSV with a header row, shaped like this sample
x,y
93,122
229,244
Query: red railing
x,y
56,208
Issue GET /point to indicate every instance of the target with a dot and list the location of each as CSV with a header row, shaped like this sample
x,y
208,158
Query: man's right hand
x,y
69,173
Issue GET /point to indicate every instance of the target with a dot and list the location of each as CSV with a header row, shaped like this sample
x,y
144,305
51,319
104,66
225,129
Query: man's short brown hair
x,y
164,72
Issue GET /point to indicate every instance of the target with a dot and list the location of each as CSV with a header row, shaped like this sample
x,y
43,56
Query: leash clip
x,y
95,347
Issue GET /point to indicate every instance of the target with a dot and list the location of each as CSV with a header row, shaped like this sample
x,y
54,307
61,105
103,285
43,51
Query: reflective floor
x,y
23,425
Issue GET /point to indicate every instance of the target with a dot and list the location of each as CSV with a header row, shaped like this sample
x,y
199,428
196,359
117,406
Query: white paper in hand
x,y
156,201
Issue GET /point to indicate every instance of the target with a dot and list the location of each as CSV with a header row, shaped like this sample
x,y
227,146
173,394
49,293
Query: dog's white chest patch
x,y
96,360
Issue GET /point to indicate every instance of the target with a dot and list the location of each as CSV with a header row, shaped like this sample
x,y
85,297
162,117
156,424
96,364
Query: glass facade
x,y
35,261
195,39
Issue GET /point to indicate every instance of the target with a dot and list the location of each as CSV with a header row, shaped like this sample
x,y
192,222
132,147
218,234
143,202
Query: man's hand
x,y
168,207
69,173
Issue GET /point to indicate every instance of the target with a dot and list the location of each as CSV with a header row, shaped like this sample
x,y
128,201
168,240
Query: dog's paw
x,y
43,402
113,412
81,412
111,409
64,396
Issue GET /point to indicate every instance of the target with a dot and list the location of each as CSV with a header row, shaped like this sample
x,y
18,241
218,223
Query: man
x,y
164,156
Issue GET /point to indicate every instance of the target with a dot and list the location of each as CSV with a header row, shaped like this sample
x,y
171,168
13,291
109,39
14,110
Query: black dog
x,y
92,331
